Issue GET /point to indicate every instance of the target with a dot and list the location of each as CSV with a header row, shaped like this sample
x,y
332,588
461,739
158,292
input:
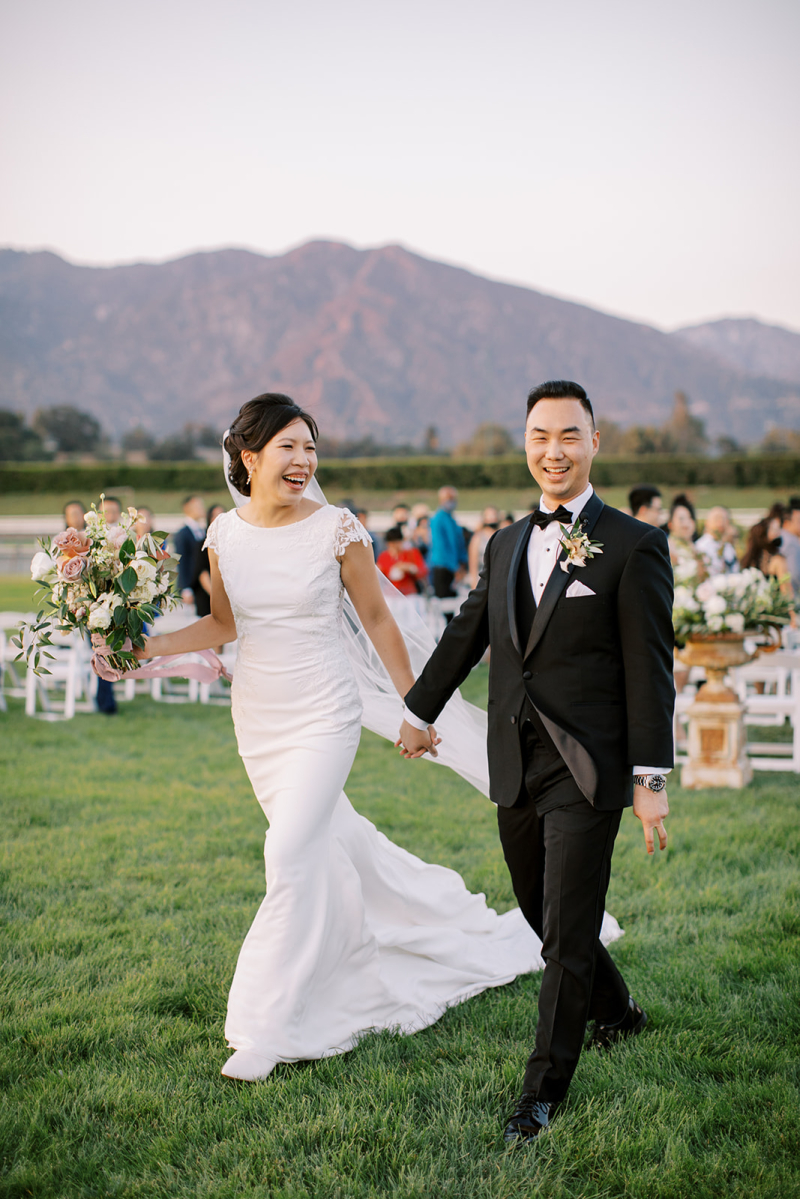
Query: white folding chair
x,y
10,622
68,668
778,702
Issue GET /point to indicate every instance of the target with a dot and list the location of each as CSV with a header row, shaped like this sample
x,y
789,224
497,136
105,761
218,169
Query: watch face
x,y
657,782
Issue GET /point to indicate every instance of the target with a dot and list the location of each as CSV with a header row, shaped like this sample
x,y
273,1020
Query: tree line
x,y
63,430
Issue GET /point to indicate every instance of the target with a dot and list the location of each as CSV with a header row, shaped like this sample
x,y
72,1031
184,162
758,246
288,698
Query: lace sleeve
x,y
212,537
348,529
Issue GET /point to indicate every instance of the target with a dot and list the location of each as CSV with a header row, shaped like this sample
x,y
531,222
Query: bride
x,y
354,934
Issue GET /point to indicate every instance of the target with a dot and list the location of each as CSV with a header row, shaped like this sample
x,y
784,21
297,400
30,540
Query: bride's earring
x,y
249,476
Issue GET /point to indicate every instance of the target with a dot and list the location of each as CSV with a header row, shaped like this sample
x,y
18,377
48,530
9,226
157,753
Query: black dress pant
x,y
442,582
558,850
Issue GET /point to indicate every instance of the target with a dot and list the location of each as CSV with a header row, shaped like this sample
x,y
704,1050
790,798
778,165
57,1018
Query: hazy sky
x,y
640,157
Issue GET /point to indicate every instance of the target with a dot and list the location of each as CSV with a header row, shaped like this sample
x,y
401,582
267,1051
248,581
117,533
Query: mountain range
x,y
378,342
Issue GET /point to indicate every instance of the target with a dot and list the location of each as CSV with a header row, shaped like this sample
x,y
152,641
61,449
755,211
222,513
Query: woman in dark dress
x,y
202,585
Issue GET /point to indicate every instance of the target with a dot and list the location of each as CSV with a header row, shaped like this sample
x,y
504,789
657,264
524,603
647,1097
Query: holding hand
x,y
413,743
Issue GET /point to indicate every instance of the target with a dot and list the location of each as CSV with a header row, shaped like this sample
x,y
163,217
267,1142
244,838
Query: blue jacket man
x,y
448,553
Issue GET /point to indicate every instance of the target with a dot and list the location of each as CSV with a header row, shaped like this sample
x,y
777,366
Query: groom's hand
x,y
413,743
651,807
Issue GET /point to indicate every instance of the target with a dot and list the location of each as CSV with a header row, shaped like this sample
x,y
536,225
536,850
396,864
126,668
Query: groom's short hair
x,y
560,389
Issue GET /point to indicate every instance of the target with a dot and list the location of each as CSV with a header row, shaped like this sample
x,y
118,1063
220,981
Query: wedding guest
x,y
144,522
363,515
202,586
111,507
448,556
507,521
106,702
682,526
400,517
686,562
790,544
402,564
764,551
188,541
646,505
74,515
489,524
715,542
419,534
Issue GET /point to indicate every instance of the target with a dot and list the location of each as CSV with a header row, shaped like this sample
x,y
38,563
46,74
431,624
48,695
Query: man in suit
x,y
188,542
580,725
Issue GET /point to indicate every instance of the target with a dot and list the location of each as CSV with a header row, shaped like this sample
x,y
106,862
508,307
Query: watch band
x,y
653,782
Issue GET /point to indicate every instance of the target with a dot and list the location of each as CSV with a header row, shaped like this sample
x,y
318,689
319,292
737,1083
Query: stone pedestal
x,y
717,739
717,746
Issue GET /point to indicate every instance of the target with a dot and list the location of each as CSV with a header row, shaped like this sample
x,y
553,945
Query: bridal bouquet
x,y
104,582
747,602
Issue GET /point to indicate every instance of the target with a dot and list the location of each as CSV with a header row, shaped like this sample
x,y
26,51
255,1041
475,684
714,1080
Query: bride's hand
x,y
141,655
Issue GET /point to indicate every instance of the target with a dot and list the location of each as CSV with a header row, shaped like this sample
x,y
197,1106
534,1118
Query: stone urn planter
x,y
717,741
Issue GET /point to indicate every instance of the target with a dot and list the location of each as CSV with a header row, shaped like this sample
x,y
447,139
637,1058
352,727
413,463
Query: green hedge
x,y
413,474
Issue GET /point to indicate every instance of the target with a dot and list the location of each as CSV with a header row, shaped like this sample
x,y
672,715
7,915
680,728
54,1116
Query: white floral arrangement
x,y
708,605
105,583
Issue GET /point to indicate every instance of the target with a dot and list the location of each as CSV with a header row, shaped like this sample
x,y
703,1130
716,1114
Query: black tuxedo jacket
x,y
597,668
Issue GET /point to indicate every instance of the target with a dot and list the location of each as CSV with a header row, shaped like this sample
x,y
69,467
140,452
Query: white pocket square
x,y
578,588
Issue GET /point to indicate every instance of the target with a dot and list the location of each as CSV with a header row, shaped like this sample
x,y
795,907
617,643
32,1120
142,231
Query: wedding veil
x,y
461,725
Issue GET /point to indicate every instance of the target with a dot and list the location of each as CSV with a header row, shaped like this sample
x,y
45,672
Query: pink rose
x,y
72,542
70,569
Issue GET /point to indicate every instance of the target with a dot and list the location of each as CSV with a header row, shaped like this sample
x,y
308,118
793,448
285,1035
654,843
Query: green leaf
x,y
119,615
127,580
159,536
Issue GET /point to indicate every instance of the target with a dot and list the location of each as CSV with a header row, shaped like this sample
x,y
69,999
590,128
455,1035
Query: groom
x,y
580,724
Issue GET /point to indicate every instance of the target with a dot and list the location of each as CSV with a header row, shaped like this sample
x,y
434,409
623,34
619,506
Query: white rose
x,y
145,570
144,593
735,622
99,616
715,624
41,565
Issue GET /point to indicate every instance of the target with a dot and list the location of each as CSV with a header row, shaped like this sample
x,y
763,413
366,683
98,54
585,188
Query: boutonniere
x,y
577,545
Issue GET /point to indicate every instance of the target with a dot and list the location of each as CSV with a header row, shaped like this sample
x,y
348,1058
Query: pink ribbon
x,y
170,666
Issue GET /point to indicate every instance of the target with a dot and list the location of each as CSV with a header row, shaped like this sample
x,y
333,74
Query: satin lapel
x,y
559,578
513,571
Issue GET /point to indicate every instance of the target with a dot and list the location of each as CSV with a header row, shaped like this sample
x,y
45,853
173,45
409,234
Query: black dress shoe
x,y
530,1116
605,1035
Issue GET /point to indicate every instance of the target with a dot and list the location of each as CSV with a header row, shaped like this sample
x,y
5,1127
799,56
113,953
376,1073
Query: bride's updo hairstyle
x,y
260,420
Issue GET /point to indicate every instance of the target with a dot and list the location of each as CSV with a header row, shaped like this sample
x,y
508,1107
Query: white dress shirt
x,y
543,552
197,527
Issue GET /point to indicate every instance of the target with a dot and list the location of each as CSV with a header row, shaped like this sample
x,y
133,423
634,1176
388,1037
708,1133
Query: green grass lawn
x,y
131,867
18,594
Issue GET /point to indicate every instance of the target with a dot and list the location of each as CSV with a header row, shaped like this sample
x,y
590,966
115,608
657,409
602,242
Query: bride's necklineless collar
x,y
289,525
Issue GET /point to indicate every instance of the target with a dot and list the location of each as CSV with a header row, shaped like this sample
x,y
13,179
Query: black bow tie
x,y
543,519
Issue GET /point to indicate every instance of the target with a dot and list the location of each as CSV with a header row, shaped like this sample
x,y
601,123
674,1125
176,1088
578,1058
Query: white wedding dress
x,y
354,934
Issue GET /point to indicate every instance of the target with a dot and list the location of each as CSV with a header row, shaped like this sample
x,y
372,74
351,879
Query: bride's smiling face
x,y
286,464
